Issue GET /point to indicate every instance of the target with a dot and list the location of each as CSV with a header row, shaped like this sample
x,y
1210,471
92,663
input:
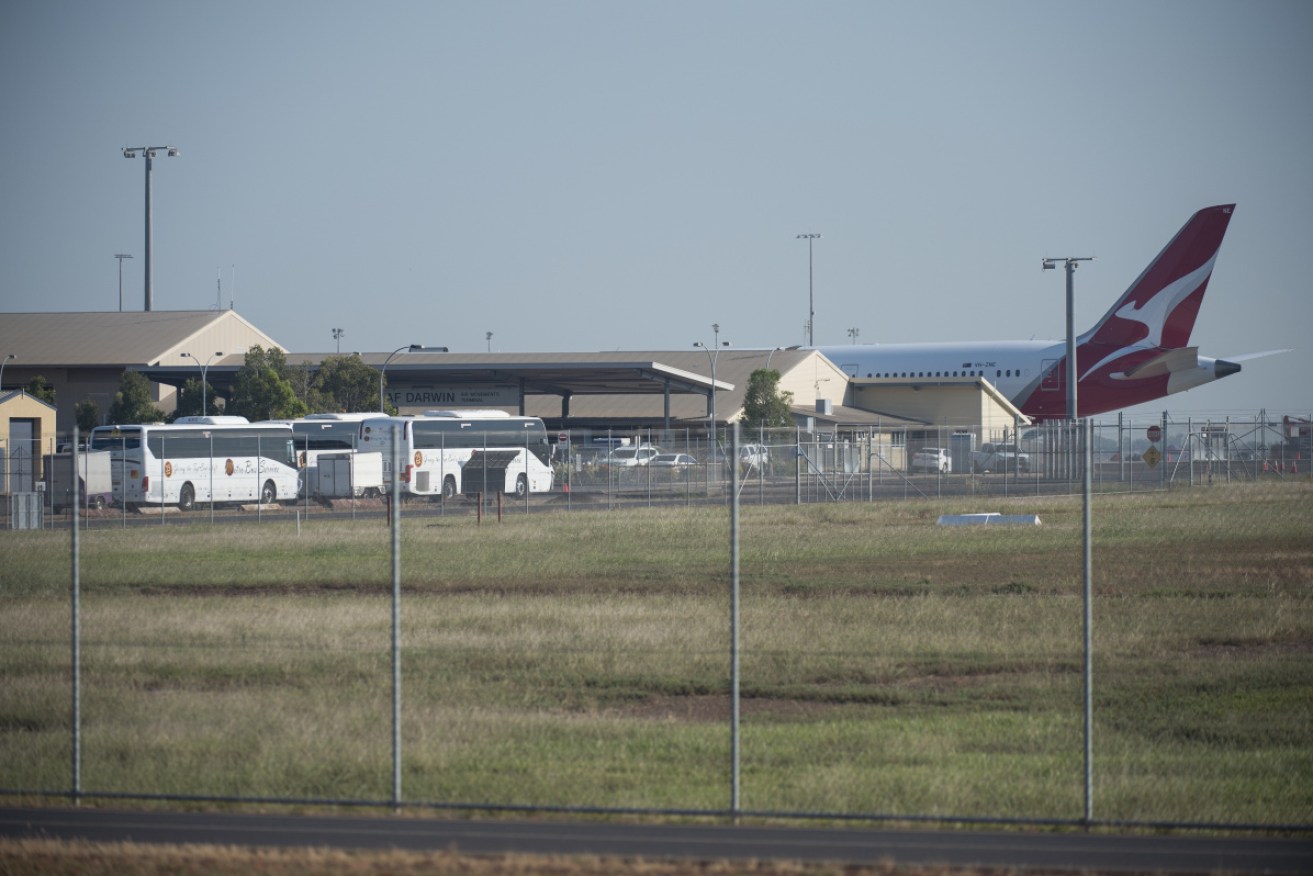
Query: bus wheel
x,y
186,498
449,488
268,494
521,487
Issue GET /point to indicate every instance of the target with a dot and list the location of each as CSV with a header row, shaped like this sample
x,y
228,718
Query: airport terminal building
x,y
84,355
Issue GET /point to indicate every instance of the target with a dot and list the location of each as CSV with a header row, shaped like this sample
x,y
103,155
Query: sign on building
x,y
423,396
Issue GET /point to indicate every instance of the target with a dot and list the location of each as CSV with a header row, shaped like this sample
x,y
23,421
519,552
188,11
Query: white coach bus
x,y
316,434
448,453
199,459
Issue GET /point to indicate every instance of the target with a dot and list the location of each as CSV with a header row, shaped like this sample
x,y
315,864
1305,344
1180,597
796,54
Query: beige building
x,y
27,433
83,355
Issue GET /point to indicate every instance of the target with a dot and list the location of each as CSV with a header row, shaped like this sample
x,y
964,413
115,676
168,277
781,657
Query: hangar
x,y
83,355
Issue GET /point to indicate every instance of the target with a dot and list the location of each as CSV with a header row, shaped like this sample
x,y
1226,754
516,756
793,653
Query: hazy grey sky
x,y
610,175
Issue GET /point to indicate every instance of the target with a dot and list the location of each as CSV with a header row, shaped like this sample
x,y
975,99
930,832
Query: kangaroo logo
x,y
1154,313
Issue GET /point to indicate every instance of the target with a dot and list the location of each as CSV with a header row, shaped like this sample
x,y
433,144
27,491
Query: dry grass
x,y
889,665
48,858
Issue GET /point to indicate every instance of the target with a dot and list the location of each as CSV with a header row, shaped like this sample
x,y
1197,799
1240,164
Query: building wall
x,y
23,407
814,378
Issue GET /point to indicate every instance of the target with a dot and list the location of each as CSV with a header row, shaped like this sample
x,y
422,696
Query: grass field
x,y
890,666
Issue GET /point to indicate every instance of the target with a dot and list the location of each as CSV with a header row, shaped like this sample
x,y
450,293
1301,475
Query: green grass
x,y
888,665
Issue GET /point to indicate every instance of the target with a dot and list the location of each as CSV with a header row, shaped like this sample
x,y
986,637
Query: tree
x,y
345,384
764,406
132,403
189,400
87,414
39,387
263,389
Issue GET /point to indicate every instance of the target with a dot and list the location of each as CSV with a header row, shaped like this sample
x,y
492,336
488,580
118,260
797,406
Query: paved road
x,y
1104,853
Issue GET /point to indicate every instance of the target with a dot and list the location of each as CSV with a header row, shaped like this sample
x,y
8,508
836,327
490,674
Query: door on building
x,y
19,473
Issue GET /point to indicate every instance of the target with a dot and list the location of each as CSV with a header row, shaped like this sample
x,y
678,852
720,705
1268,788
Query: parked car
x,y
673,461
932,459
629,457
1000,457
754,455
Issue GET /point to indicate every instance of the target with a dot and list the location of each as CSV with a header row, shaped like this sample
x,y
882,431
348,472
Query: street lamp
x,y
7,357
1050,264
337,336
148,152
408,348
205,366
489,340
811,297
713,353
121,256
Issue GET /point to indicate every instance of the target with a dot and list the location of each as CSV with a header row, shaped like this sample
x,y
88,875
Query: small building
x,y
27,433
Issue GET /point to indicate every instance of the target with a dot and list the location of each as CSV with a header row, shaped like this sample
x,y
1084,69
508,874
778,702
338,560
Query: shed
x,y
27,433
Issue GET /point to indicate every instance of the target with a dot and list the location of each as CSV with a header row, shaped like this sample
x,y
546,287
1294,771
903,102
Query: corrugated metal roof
x,y
622,384
113,338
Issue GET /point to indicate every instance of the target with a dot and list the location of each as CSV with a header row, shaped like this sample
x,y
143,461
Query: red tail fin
x,y
1160,307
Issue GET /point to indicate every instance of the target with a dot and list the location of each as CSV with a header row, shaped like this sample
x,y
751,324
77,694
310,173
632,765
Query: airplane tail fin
x,y
1159,308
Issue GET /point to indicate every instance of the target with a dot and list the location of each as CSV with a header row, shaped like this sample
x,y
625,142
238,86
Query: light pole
x,y
489,339
337,336
205,367
7,357
811,297
121,256
1050,264
408,348
713,353
148,152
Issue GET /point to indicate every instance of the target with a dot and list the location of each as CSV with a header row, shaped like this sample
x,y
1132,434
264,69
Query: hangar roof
x,y
628,379
90,339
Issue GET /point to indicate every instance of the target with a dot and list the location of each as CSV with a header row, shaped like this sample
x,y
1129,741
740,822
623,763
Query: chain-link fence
x,y
596,468
864,691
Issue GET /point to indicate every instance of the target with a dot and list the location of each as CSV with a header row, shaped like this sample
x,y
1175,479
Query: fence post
x,y
75,600
1162,472
1088,433
797,465
734,626
396,615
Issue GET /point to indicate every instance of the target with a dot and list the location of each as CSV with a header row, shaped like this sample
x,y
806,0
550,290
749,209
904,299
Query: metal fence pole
x,y
1188,450
1087,564
797,465
75,600
734,627
396,614
1162,472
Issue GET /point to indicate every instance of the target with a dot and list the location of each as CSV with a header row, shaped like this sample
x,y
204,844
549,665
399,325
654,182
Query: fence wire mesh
x,y
875,683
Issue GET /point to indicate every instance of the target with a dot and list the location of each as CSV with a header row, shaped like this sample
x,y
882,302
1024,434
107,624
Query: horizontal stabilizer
x,y
1181,359
1245,357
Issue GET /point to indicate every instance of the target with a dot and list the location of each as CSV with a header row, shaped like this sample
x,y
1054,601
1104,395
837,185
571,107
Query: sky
x,y
590,176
